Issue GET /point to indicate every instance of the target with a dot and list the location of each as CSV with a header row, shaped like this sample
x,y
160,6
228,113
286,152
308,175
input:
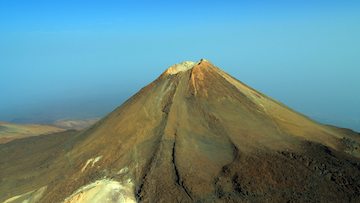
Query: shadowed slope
x,y
198,135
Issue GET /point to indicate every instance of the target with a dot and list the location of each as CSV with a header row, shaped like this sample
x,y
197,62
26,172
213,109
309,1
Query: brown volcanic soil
x,y
197,135
33,162
318,173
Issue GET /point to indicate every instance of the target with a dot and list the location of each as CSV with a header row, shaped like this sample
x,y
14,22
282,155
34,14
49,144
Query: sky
x,y
58,57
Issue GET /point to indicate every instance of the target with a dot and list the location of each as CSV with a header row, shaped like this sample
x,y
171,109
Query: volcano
x,y
195,134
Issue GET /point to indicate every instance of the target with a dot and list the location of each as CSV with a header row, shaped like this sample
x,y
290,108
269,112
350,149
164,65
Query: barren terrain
x,y
195,134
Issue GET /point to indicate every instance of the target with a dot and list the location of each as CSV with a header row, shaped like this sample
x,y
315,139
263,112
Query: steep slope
x,y
196,134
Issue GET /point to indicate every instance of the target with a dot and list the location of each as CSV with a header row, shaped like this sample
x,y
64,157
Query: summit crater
x,y
184,66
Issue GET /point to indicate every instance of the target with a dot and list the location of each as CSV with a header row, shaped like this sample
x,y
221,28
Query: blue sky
x,y
303,53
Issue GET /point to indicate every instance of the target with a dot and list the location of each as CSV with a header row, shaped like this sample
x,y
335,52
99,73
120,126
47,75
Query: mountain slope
x,y
196,134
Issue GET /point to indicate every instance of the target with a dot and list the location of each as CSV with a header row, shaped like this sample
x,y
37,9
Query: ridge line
x,y
177,176
157,154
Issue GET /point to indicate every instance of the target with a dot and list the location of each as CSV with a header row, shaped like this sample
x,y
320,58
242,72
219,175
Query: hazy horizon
x,y
84,58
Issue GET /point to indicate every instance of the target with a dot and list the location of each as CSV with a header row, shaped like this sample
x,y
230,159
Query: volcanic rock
x,y
195,134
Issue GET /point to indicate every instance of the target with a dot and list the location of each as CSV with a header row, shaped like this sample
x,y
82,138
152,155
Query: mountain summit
x,y
195,134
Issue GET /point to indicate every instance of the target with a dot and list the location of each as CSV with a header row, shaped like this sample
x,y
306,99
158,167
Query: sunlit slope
x,y
196,134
